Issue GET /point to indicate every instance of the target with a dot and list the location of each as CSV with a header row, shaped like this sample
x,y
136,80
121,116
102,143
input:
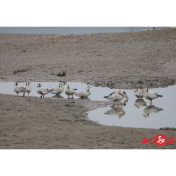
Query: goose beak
x,y
137,106
90,87
126,97
29,83
135,90
144,115
119,92
126,100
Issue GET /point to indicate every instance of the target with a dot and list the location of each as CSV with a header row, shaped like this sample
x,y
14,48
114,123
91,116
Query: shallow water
x,y
138,115
132,113
71,30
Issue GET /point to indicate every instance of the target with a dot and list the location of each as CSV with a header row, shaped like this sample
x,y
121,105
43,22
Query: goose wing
x,y
19,88
111,94
54,90
80,93
27,89
44,90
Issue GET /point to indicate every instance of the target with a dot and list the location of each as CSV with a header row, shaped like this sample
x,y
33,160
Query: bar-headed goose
x,y
18,88
27,89
57,90
70,91
138,93
42,90
83,93
149,95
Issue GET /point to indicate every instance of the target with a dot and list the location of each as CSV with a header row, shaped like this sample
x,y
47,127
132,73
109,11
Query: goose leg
x,y
113,104
23,94
118,104
150,102
28,94
72,96
43,95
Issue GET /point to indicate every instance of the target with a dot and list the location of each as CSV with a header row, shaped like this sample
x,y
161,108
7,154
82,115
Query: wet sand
x,y
116,60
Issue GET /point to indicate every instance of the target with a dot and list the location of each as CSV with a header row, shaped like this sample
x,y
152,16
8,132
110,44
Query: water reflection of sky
x,y
70,30
132,113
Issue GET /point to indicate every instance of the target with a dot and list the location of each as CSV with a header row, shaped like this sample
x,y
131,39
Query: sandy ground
x,y
116,60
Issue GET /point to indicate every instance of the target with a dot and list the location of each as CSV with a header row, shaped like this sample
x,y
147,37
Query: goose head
x,y
145,89
123,93
87,89
27,84
39,85
68,87
137,89
60,85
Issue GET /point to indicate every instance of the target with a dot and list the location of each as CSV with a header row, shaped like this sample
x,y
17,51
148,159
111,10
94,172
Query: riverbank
x,y
116,60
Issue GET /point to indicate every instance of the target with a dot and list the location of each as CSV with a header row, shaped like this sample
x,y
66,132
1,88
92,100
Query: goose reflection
x,y
83,98
116,111
121,104
57,96
151,109
139,103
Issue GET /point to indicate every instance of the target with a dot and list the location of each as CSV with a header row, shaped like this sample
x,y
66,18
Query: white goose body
x,y
18,88
27,89
117,95
83,93
149,95
138,93
42,90
57,90
70,91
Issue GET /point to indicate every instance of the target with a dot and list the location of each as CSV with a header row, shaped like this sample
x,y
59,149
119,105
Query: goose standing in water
x,y
83,93
42,90
138,93
117,95
149,95
27,89
57,90
18,88
70,91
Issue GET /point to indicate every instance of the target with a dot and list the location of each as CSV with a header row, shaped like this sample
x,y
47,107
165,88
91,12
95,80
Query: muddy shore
x,y
115,60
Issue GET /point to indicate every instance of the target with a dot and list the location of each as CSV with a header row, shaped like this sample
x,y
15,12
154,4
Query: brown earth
x,y
116,60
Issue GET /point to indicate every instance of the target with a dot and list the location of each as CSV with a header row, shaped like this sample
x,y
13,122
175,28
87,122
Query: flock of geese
x,y
116,96
42,91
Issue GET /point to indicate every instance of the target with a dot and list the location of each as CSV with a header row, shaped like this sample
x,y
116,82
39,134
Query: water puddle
x,y
71,30
138,113
133,112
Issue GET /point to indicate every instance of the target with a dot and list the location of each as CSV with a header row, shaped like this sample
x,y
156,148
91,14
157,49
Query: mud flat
x,y
116,60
